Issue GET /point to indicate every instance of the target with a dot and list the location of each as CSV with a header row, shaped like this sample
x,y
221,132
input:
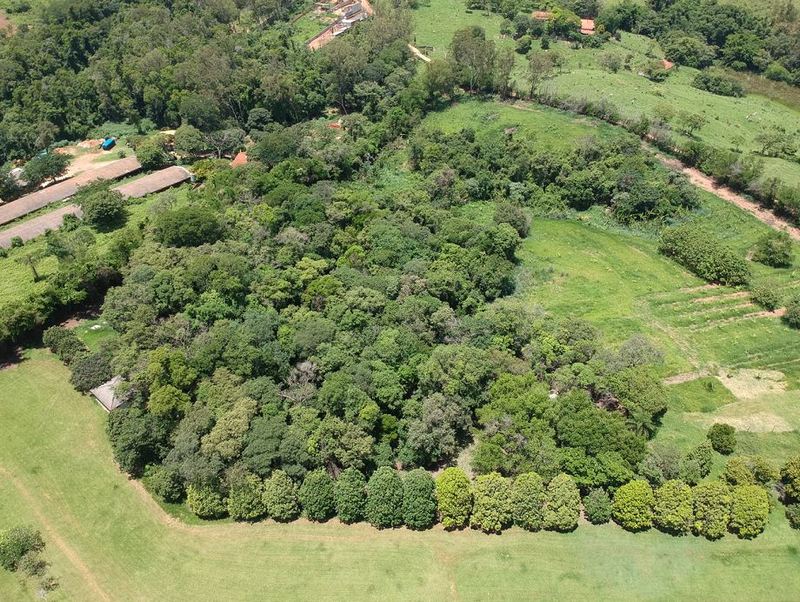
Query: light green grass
x,y
67,485
435,22
94,332
729,121
548,127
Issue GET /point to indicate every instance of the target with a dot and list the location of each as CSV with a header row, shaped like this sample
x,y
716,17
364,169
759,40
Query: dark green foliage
x,y
350,492
749,510
717,82
137,438
91,370
527,501
419,499
562,505
454,496
673,508
633,506
102,208
492,510
317,496
188,227
152,154
16,543
280,497
165,482
700,252
793,515
384,507
722,437
774,249
45,167
64,343
712,509
597,506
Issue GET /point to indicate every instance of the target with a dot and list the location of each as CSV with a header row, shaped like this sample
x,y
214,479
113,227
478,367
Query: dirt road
x,y
703,181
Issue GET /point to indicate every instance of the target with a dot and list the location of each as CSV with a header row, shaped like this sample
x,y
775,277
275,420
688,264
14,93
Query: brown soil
x,y
703,181
5,22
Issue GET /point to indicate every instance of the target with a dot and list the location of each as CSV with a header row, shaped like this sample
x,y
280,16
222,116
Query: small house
x,y
106,395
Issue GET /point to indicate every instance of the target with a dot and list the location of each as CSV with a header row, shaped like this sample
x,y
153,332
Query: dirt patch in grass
x,y
5,22
760,422
752,384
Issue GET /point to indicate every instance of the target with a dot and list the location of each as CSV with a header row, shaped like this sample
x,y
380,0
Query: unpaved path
x,y
686,377
418,53
707,183
53,536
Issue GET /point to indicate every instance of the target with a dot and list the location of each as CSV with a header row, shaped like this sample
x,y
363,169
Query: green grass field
x,y
108,540
435,22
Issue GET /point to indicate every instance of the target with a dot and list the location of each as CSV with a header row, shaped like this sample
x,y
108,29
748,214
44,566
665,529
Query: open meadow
x,y
107,540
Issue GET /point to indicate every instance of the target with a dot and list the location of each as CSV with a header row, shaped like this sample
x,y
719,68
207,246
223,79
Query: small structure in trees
x,y
240,159
106,394
587,27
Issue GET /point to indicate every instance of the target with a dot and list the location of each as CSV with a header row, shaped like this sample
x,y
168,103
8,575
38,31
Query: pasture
x,y
107,540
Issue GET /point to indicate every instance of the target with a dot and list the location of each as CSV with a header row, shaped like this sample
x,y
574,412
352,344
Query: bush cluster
x,y
703,254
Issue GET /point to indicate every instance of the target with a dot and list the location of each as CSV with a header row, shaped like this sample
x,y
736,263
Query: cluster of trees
x,y
490,503
699,34
704,254
614,173
200,64
21,550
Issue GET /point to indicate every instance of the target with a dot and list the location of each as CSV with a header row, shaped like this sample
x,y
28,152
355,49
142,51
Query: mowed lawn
x,y
107,540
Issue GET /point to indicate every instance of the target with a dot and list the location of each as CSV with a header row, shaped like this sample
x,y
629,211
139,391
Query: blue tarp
x,y
108,144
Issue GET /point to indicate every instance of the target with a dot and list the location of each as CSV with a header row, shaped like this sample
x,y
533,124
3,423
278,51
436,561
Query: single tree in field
x,y
540,68
45,168
474,57
689,123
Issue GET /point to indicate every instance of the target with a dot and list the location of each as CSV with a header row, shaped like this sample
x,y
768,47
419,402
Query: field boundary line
x,y
52,534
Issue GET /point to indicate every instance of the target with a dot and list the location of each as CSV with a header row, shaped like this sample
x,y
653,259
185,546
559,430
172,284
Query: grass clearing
x,y
105,537
435,22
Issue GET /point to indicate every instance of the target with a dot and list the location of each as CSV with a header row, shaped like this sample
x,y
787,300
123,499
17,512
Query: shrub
x,y
562,504
703,254
774,249
492,509
527,501
419,499
704,455
722,437
764,471
246,498
718,83
712,507
280,497
205,501
350,494
385,498
737,471
766,297
317,496
790,477
749,510
454,495
102,208
91,370
633,506
151,153
793,515
792,315
672,510
16,242
64,343
597,506
164,482
188,227
15,543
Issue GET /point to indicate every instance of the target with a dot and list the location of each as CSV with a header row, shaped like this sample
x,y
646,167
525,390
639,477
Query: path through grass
x,y
61,478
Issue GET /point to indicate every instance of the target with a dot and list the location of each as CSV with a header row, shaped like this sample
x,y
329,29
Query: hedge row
x,y
743,173
703,254
490,503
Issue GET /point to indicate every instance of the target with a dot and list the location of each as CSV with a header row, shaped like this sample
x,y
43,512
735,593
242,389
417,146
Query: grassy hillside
x,y
107,540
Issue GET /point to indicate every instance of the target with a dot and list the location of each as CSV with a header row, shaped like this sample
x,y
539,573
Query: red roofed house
x,y
587,27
